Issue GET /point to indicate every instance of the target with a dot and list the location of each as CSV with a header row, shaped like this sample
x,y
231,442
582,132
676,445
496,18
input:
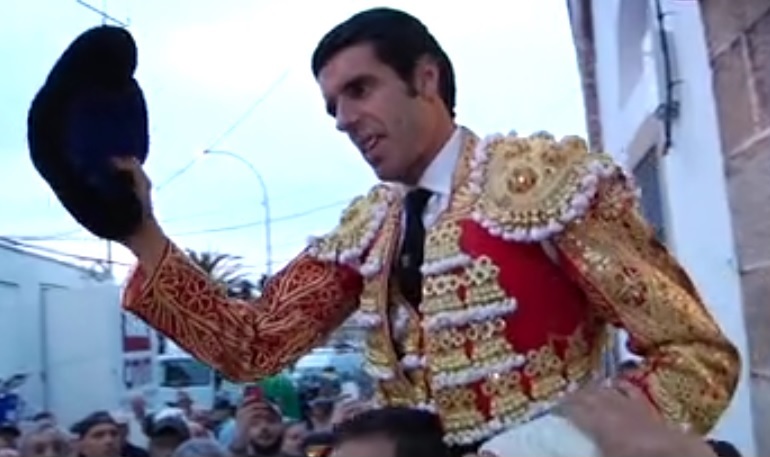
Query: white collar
x,y
437,178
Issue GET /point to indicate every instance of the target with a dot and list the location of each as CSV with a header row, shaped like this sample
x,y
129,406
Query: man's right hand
x,y
149,242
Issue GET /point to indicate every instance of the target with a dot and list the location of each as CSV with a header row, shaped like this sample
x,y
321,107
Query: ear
x,y
426,78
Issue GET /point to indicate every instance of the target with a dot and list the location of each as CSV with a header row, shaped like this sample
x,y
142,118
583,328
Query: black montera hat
x,y
89,111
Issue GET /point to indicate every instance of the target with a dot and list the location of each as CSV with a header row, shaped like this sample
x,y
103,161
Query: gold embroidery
x,y
244,340
489,342
635,284
482,279
459,410
440,293
544,371
506,394
369,297
530,187
442,248
578,356
446,349
359,225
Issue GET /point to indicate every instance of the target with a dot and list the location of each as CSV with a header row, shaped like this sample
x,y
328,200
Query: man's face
x,y
388,120
365,447
266,428
100,441
47,444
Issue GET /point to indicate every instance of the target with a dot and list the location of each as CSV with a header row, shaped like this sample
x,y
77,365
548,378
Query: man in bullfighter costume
x,y
487,270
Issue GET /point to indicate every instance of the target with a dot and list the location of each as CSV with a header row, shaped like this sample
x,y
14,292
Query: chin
x,y
384,174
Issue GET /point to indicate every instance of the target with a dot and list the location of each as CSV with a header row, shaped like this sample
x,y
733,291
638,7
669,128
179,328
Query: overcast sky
x,y
203,64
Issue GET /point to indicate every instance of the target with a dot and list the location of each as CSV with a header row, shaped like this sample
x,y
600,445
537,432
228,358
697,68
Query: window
x,y
180,373
633,25
647,174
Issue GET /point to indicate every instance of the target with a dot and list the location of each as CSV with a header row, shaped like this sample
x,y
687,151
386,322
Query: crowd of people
x,y
338,427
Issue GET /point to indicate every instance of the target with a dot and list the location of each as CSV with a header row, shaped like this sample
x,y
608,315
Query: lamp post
x,y
265,203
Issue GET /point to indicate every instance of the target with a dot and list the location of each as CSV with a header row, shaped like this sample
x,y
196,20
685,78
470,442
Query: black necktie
x,y
411,256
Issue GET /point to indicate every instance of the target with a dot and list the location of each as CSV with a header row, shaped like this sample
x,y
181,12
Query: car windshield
x,y
181,373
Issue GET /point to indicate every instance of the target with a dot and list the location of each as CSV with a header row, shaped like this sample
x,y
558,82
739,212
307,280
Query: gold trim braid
x,y
690,369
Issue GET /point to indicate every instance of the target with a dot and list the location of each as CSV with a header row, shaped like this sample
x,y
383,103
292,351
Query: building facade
x,y
678,91
62,329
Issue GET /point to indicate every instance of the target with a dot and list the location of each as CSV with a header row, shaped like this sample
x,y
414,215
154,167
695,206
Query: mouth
x,y
368,143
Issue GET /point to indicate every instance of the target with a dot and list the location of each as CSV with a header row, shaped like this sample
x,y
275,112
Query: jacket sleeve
x,y
245,341
689,369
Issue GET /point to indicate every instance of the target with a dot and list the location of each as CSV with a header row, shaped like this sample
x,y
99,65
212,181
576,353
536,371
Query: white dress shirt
x,y
437,178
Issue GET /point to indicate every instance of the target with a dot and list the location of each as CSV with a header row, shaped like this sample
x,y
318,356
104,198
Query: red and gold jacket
x,y
542,247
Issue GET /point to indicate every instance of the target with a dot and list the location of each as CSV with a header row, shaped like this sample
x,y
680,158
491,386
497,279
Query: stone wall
x,y
738,36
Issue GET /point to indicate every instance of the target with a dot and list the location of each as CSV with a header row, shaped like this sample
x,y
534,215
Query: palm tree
x,y
226,270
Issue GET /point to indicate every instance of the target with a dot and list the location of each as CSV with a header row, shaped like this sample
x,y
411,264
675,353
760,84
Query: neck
x,y
441,134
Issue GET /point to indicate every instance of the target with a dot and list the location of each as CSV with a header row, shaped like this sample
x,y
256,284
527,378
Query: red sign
x,y
137,336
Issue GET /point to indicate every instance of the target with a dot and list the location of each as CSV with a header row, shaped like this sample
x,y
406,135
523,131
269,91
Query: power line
x,y
56,252
65,236
234,126
288,217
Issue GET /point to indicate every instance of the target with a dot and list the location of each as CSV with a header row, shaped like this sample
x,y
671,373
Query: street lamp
x,y
265,203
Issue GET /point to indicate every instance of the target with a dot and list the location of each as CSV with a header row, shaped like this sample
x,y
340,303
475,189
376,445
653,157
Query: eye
x,y
360,88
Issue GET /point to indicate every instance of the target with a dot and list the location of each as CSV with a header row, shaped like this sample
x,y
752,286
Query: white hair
x,y
200,447
39,428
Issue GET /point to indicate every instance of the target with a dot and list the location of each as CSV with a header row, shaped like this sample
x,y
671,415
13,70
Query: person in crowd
x,y
259,429
392,432
320,414
283,392
45,417
127,449
46,440
166,430
9,435
97,435
200,447
294,436
222,420
602,411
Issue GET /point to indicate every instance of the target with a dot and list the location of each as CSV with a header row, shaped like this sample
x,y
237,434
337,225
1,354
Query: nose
x,y
347,116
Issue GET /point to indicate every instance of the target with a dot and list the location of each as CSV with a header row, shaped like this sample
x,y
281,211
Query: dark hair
x,y
43,415
415,432
399,40
81,428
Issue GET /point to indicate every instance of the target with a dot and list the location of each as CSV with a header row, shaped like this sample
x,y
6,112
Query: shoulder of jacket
x,y
358,226
530,188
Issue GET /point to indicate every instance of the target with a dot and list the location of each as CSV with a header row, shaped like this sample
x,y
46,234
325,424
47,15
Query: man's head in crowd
x,y
45,440
123,421
265,427
222,410
293,437
45,417
200,447
9,434
391,432
166,430
97,435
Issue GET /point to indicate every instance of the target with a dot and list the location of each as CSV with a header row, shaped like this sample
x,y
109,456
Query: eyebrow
x,y
357,80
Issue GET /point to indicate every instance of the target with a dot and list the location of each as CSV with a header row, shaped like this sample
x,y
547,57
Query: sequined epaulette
x,y
350,242
530,188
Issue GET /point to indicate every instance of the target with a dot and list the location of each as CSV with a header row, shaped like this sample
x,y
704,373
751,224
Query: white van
x,y
183,372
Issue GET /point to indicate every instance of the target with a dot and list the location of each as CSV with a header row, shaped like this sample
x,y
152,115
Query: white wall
x,y
697,214
28,285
